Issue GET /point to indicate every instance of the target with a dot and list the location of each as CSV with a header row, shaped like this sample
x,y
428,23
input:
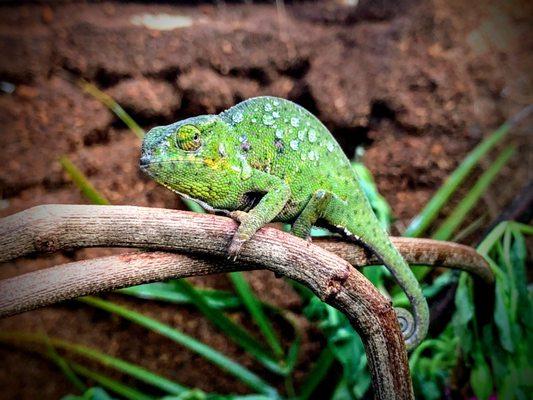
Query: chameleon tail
x,y
414,327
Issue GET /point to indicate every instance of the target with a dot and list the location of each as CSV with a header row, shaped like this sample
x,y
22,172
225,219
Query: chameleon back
x,y
282,138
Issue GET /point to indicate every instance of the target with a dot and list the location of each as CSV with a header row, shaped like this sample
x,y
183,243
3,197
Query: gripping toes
x,y
240,237
235,246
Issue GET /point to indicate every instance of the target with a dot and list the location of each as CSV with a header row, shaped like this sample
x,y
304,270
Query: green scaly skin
x,y
268,159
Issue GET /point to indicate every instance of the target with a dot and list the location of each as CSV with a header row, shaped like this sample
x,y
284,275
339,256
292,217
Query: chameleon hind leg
x,y
319,206
336,212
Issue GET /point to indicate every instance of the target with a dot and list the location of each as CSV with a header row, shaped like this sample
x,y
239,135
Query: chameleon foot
x,y
235,247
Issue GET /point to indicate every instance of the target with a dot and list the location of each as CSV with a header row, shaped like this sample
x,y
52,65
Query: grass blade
x,y
317,374
81,181
452,222
110,103
457,216
422,221
165,291
64,366
235,332
111,384
118,364
256,311
217,358
192,205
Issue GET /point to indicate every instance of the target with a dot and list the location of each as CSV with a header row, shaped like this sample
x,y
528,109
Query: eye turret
x,y
188,138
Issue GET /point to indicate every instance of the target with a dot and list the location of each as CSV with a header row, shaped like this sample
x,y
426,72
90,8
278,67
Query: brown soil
x,y
417,83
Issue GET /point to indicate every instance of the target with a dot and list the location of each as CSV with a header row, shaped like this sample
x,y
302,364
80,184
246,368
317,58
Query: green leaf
x,y
518,260
253,305
210,354
317,374
379,204
111,384
94,393
452,222
165,291
235,332
464,313
193,205
81,181
463,301
480,377
62,364
118,364
423,220
113,106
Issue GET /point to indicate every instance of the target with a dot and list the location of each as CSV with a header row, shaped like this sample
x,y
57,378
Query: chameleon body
x,y
268,159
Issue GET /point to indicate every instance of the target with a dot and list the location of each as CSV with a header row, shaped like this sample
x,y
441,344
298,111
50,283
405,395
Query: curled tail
x,y
414,327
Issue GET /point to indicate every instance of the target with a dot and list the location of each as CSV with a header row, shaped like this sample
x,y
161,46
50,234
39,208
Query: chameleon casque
x,y
268,159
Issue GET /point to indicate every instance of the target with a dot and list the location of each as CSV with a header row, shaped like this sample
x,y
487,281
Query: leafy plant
x,y
499,351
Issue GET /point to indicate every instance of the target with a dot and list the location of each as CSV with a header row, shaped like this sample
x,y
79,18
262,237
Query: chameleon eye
x,y
188,138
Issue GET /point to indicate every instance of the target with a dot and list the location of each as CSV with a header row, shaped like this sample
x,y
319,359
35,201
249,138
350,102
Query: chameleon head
x,y
186,156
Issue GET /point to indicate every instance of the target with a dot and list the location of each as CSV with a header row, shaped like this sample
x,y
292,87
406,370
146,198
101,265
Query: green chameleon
x,y
268,159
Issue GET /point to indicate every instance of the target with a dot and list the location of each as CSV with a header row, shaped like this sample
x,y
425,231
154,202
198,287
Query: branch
x,y
51,228
206,237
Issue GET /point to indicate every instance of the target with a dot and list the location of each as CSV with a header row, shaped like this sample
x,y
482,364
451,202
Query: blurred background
x,y
407,87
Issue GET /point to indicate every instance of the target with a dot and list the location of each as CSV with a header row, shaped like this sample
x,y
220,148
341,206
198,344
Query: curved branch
x,y
42,229
49,228
56,227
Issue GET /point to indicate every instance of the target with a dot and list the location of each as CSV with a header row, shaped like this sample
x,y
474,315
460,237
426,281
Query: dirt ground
x,y
417,83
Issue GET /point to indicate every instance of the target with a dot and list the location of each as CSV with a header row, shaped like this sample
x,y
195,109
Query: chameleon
x,y
267,159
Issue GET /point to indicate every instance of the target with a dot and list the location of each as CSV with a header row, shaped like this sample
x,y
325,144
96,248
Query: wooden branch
x,y
43,229
369,312
55,227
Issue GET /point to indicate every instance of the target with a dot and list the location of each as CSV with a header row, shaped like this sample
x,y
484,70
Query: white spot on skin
x,y
268,120
243,138
294,144
295,122
246,169
279,133
275,114
276,102
221,150
301,135
254,120
312,135
268,107
330,146
311,155
237,117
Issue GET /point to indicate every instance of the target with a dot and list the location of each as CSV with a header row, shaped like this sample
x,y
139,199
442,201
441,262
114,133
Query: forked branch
x,y
202,241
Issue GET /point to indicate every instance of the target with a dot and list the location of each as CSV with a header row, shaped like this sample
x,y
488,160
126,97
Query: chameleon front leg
x,y
277,193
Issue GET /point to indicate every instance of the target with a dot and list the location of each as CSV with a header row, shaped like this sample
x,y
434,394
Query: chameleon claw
x,y
235,248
